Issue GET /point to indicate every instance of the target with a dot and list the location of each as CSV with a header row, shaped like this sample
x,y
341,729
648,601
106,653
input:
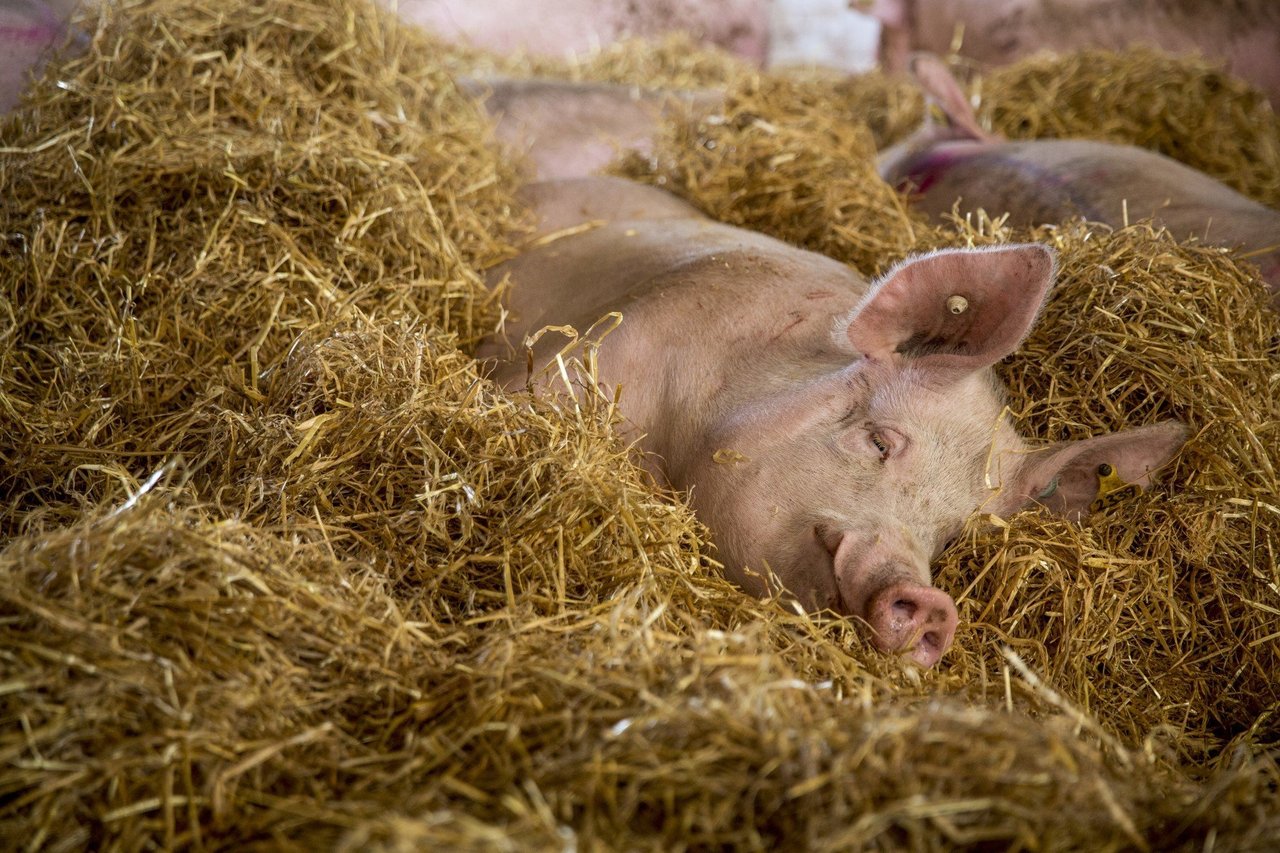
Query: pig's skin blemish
x,y
819,294
34,34
923,170
798,318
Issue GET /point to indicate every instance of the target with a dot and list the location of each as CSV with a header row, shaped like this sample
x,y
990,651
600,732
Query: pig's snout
x,y
911,616
874,582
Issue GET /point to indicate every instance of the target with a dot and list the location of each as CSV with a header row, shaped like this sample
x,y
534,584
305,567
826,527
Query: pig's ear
x,y
1064,477
957,310
944,90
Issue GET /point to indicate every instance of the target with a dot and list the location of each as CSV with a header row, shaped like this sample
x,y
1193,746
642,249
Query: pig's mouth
x,y
829,539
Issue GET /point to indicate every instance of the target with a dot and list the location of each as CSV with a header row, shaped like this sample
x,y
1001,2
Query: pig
x,y
833,433
28,29
563,129
1243,36
1051,180
565,28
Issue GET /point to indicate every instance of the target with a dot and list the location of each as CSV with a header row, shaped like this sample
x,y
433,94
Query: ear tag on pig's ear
x,y
1112,488
957,304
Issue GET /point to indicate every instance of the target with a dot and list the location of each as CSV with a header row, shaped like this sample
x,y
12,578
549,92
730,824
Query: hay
x,y
223,183
280,569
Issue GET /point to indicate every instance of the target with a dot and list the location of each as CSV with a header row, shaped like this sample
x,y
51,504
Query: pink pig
x,y
28,30
1051,180
1243,35
562,28
833,433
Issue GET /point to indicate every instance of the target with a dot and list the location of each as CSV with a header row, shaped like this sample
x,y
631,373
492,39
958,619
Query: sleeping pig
x,y
834,433
1051,180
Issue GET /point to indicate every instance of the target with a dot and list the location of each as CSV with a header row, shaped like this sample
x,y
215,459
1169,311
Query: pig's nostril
x,y
904,609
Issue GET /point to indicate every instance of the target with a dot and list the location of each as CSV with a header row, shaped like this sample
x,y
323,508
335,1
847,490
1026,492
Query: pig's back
x,y
565,203
671,272
1048,181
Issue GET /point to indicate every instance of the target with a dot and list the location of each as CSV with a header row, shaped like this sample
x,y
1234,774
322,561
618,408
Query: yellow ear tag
x,y
1112,489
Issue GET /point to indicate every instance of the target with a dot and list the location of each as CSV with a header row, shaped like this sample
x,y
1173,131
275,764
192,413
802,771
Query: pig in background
x,y
28,29
560,28
766,33
1052,180
1241,35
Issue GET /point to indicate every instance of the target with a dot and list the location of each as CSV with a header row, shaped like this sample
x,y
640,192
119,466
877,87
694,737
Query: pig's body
x,y
560,28
1242,35
28,30
1046,181
834,431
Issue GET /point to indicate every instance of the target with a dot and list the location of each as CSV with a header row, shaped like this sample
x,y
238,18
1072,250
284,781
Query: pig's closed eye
x,y
871,440
884,443
879,443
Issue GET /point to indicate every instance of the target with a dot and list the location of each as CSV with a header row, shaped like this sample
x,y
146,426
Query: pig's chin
x,y
807,574
801,571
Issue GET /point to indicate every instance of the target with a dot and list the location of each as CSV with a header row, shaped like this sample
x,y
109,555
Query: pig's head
x,y
847,482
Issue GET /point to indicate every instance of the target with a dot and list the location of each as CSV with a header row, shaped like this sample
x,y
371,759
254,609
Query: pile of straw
x,y
280,567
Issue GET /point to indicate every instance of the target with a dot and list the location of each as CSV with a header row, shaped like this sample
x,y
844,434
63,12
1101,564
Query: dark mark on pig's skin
x,y
921,171
798,319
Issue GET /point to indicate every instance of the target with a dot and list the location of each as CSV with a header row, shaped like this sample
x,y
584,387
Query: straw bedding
x,y
280,568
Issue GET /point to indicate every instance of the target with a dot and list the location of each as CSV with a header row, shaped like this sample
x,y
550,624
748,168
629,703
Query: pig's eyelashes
x,y
884,442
